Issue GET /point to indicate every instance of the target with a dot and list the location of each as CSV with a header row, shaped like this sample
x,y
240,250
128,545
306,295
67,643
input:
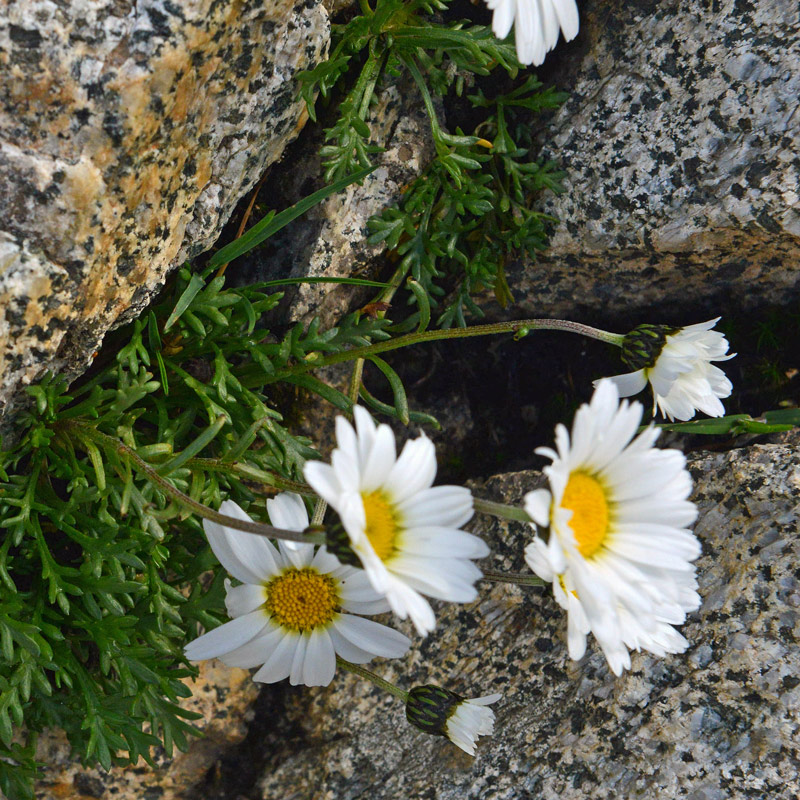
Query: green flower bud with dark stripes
x,y
643,345
338,543
441,712
429,707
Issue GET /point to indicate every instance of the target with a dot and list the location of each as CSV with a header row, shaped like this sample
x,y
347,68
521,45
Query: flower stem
x,y
319,513
371,676
500,510
250,473
116,446
355,380
519,578
513,326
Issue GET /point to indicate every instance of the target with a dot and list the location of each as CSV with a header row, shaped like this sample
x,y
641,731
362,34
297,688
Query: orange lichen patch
x,y
83,187
62,789
204,171
39,287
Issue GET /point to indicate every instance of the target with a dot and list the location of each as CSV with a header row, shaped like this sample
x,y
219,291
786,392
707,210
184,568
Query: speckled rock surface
x,y
223,696
128,131
330,240
681,145
718,722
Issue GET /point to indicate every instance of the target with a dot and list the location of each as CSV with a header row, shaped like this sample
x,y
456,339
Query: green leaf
x,y
272,223
196,283
400,398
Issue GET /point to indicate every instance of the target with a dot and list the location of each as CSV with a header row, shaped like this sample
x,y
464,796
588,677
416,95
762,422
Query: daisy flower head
x,y
619,550
677,364
536,25
405,531
440,712
295,608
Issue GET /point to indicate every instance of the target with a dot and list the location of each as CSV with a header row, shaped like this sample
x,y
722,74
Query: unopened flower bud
x,y
441,712
643,345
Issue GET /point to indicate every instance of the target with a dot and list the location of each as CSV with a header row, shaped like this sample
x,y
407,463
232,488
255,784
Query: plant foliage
x,y
472,208
105,574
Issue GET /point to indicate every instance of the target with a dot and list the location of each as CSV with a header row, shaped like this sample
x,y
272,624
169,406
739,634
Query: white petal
x,y
537,506
296,554
355,586
449,506
365,433
439,542
536,556
446,579
503,17
247,556
406,602
322,479
279,663
298,660
288,511
380,460
371,637
240,600
255,652
325,562
567,11
413,471
347,650
320,659
227,637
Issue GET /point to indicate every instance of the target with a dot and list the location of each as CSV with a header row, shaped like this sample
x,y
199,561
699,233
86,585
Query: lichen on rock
x,y
128,131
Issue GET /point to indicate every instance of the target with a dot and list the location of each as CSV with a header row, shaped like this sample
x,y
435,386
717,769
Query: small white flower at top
x,y
619,551
677,364
289,615
536,25
404,530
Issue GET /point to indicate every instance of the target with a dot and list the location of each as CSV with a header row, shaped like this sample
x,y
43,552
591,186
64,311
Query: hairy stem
x,y
519,578
371,676
513,326
114,445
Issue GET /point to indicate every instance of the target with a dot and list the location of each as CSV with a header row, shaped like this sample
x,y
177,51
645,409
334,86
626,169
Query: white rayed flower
x,y
290,613
440,712
404,530
681,373
469,720
536,25
619,551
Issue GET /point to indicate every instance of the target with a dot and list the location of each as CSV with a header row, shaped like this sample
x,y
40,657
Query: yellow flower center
x,y
586,499
382,527
302,599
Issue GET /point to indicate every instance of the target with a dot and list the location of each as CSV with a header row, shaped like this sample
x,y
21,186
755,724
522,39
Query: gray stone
x,y
224,698
681,146
128,131
330,239
719,721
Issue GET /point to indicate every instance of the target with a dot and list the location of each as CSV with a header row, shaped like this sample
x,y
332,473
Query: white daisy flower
x,y
441,712
619,551
536,25
289,613
677,363
404,530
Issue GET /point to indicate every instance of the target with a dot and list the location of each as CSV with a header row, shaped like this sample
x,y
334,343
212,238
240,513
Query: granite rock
x,y
330,239
681,145
222,695
720,721
128,131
